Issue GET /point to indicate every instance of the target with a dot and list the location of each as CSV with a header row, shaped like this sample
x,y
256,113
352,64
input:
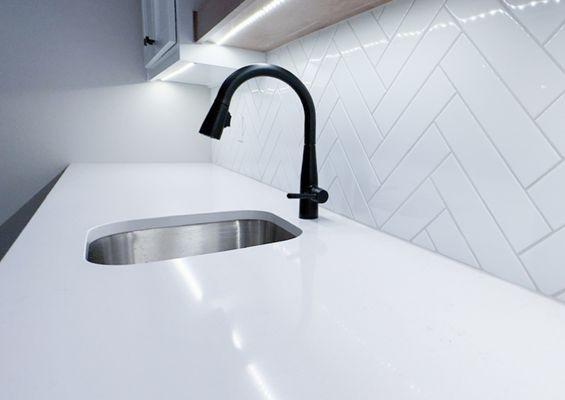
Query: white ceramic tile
x,y
377,12
309,42
271,168
354,149
419,67
325,142
519,140
556,46
393,14
427,154
326,106
256,96
545,263
298,56
325,70
358,112
552,123
284,59
524,66
371,36
326,174
541,17
418,211
423,240
350,186
269,118
317,53
415,120
405,40
271,136
281,180
549,196
271,156
448,241
358,63
338,202
502,193
483,235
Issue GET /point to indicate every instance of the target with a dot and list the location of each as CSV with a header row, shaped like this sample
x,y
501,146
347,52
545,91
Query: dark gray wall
x,y
72,89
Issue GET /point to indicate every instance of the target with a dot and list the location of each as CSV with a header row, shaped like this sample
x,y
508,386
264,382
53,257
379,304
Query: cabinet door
x,y
159,29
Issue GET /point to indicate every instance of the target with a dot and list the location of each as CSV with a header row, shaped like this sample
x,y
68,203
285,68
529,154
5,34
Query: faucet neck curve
x,y
236,79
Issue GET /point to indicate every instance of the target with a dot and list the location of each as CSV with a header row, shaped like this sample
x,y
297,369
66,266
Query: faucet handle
x,y
314,193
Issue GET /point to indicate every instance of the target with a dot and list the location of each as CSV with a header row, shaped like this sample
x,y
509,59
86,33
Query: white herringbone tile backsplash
x,y
440,122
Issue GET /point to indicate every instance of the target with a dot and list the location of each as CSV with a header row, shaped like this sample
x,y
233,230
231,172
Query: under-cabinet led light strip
x,y
250,20
177,69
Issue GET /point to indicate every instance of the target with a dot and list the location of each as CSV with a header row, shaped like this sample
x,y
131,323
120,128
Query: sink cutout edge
x,y
171,221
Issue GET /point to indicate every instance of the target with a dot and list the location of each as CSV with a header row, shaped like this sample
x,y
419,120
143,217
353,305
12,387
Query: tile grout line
x,y
370,62
418,91
471,250
329,113
424,32
542,176
354,182
342,59
425,232
498,152
426,128
489,212
338,180
553,102
331,31
418,186
272,127
431,221
506,85
340,101
540,241
327,156
554,33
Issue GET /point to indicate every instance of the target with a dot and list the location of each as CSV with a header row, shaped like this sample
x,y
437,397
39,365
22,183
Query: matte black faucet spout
x,y
219,117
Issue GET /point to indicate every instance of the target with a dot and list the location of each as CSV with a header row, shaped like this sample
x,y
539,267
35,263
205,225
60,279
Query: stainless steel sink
x,y
203,234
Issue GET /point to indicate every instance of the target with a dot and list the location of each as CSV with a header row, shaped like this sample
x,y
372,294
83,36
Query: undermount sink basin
x,y
159,239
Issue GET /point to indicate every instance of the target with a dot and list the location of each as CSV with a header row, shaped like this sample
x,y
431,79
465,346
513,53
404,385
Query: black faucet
x,y
219,117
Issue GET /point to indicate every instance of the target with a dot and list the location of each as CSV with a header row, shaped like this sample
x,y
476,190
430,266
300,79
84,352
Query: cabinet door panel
x,y
159,24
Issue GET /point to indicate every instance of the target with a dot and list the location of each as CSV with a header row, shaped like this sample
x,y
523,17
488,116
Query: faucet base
x,y
308,209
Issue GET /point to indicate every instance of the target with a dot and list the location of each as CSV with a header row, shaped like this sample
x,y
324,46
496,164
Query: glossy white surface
x,y
341,312
541,17
556,46
402,44
500,190
490,73
518,58
516,136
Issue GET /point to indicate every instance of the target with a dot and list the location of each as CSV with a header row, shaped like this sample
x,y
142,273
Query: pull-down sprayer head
x,y
216,120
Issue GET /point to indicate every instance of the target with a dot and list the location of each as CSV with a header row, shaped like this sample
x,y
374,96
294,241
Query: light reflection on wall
x,y
259,381
530,4
500,11
236,339
190,280
477,17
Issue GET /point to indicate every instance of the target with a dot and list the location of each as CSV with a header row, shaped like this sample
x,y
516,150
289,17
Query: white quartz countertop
x,y
341,312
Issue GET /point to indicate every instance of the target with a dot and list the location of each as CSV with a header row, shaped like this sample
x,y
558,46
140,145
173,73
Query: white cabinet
x,y
170,53
159,29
